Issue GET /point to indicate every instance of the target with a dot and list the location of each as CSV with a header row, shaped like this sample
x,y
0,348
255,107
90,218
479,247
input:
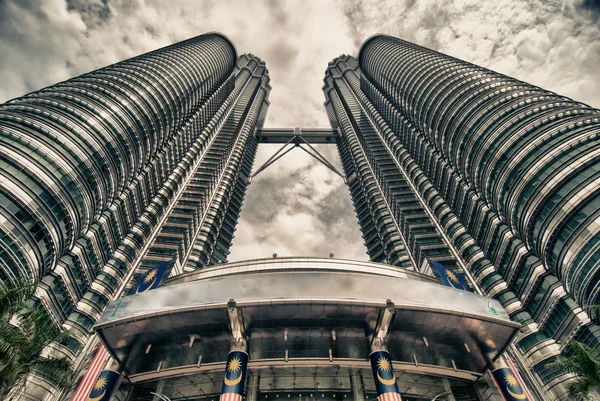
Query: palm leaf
x,y
584,363
24,333
581,389
12,297
12,342
57,370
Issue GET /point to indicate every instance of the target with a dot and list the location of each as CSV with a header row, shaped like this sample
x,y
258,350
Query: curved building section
x,y
531,155
300,316
190,218
395,184
194,197
106,175
70,150
213,240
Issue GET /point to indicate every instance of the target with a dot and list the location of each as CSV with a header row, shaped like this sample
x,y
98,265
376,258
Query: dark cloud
x,y
591,4
37,43
298,207
281,55
336,204
553,44
278,13
93,12
590,8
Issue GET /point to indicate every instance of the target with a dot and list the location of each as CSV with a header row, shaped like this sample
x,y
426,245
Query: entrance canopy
x,y
299,311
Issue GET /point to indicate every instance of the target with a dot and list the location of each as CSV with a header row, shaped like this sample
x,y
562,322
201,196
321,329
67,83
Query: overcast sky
x,y
297,207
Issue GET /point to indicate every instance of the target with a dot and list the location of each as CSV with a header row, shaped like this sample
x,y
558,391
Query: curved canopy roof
x,y
317,310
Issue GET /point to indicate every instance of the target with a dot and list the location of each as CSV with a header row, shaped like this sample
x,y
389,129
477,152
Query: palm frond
x,y
57,370
24,332
12,343
13,295
37,324
581,389
584,363
15,387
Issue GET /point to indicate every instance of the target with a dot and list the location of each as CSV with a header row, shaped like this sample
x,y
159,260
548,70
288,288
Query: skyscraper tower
x,y
449,162
109,174
457,174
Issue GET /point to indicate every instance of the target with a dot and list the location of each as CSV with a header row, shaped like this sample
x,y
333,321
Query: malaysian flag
x,y
230,397
519,378
103,388
152,278
450,278
391,396
234,378
89,380
385,379
509,385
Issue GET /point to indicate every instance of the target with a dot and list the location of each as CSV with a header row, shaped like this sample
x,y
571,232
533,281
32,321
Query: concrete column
x,y
383,374
357,386
252,388
236,369
448,389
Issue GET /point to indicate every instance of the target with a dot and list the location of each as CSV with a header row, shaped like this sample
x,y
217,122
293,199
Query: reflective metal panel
x,y
293,311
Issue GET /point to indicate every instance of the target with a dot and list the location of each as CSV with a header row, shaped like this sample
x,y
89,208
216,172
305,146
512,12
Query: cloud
x,y
297,207
591,5
37,41
281,55
552,44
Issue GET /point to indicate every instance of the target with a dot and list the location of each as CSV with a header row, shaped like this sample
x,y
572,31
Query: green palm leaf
x,y
13,296
584,363
24,333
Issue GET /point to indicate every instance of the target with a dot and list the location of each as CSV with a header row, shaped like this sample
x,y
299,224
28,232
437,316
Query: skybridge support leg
x,y
236,367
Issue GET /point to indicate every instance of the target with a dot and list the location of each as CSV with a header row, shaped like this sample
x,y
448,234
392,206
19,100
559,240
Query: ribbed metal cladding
x,y
395,223
531,155
72,149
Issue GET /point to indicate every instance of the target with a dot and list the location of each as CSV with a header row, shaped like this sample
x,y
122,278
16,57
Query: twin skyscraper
x,y
457,173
